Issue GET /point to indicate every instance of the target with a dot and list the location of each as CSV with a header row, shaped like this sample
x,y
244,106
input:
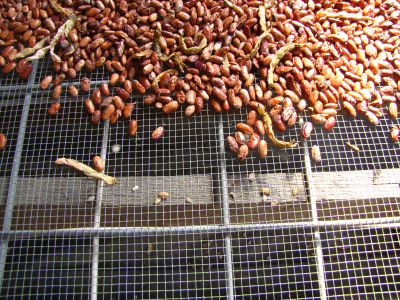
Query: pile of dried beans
x,y
316,57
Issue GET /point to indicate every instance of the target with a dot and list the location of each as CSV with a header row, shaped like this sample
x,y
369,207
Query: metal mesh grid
x,y
69,236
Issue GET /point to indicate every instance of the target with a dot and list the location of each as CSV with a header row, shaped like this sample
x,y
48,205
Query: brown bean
x,y
105,102
73,91
133,127
158,133
46,82
259,127
170,107
216,105
127,111
394,133
251,118
262,149
128,86
278,123
240,138
96,96
189,110
149,99
287,113
96,116
118,102
114,78
316,153
253,141
330,123
190,97
233,145
138,87
60,78
106,114
9,67
351,111
26,71
318,119
89,106
104,90
56,92
54,108
85,84
243,152
392,109
3,141
122,93
199,104
245,128
98,164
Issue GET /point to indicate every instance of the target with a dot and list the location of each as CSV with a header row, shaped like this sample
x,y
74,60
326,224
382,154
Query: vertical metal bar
x,y
96,222
314,214
14,173
225,210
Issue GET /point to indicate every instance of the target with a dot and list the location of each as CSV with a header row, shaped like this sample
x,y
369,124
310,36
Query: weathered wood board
x,y
143,190
284,187
204,189
353,185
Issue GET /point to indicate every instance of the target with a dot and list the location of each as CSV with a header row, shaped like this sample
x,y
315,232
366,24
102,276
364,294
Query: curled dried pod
x,y
98,164
307,129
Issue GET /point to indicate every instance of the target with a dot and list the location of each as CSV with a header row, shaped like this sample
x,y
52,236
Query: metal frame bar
x,y
14,172
314,213
152,231
225,209
96,221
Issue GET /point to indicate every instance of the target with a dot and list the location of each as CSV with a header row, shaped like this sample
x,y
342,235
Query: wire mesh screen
x,y
284,227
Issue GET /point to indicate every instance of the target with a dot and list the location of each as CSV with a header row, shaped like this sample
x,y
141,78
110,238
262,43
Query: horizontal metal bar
x,y
149,231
